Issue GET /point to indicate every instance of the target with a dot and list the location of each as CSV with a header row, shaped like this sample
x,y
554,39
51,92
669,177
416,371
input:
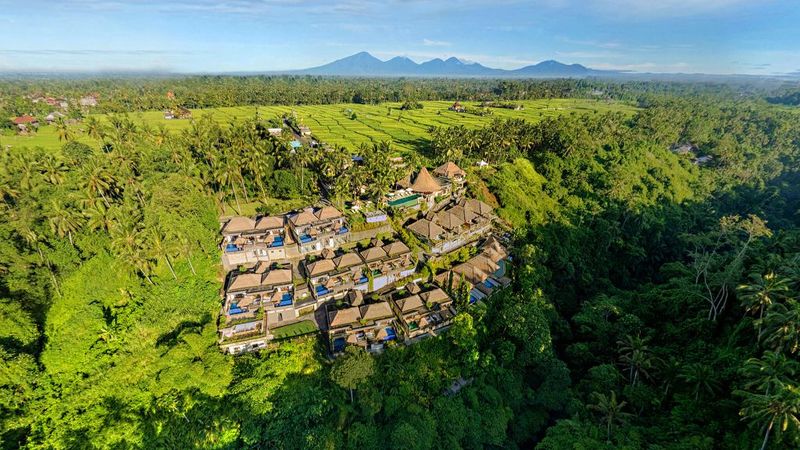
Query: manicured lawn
x,y
407,130
295,329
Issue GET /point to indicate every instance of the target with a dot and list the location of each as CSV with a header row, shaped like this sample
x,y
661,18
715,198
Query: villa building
x,y
314,229
484,272
387,263
367,326
455,226
423,313
246,240
331,277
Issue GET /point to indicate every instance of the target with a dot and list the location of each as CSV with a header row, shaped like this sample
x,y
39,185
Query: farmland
x,y
351,125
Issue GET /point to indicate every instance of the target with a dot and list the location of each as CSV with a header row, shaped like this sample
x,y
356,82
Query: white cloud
x,y
655,9
433,43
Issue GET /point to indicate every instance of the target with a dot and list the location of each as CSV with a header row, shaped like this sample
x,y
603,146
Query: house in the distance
x,y
89,100
25,123
304,131
177,113
423,313
317,228
368,326
457,107
53,117
452,172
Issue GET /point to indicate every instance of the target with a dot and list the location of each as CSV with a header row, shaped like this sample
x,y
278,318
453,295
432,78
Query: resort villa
x,y
307,270
368,326
314,229
484,272
423,313
455,226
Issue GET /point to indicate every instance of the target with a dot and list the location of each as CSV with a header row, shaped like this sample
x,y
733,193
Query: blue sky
x,y
709,36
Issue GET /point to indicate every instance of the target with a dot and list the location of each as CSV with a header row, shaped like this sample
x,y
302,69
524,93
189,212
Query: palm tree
x,y
63,221
781,407
93,128
98,216
762,293
100,181
159,246
62,130
701,377
610,410
636,357
771,370
782,326
32,239
52,169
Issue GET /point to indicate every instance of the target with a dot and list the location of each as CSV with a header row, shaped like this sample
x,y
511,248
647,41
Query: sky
x,y
190,36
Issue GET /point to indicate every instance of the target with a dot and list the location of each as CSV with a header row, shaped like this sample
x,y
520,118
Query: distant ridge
x,y
364,64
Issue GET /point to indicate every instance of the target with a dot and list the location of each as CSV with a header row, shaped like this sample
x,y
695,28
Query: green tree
x,y
352,369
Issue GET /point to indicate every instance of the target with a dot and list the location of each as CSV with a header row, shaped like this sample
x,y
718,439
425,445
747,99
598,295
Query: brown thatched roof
x,y
449,170
425,183
344,316
238,224
427,229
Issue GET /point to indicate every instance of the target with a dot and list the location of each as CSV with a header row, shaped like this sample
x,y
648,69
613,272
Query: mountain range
x,y
364,64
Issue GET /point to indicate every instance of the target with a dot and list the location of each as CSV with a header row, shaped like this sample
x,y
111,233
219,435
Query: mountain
x,y
365,65
557,69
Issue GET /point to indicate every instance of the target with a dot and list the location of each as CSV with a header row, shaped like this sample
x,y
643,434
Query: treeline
x,y
119,95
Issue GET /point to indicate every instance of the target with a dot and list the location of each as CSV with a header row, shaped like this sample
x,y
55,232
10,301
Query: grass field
x,y
373,123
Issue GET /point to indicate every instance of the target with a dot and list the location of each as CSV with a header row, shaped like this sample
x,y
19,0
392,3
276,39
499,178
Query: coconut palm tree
x,y
761,293
93,128
782,326
701,378
636,357
160,247
63,221
610,410
62,130
781,407
771,370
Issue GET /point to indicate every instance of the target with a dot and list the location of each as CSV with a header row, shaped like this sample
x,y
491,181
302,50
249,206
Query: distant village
x,y
311,271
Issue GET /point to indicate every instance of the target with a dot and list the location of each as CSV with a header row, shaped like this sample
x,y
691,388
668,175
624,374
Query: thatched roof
x,y
344,316
238,224
425,183
449,170
395,248
376,311
427,229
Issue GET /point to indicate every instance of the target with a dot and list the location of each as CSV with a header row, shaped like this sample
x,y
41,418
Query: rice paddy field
x,y
350,125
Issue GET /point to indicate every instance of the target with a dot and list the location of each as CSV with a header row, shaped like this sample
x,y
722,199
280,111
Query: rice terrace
x,y
350,125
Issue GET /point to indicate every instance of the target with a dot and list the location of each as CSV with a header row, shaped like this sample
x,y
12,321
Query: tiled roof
x,y
410,303
395,248
280,276
373,254
347,260
435,296
269,223
320,266
328,212
245,281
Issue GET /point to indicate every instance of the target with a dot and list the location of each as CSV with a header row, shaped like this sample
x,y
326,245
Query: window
x,y
280,317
